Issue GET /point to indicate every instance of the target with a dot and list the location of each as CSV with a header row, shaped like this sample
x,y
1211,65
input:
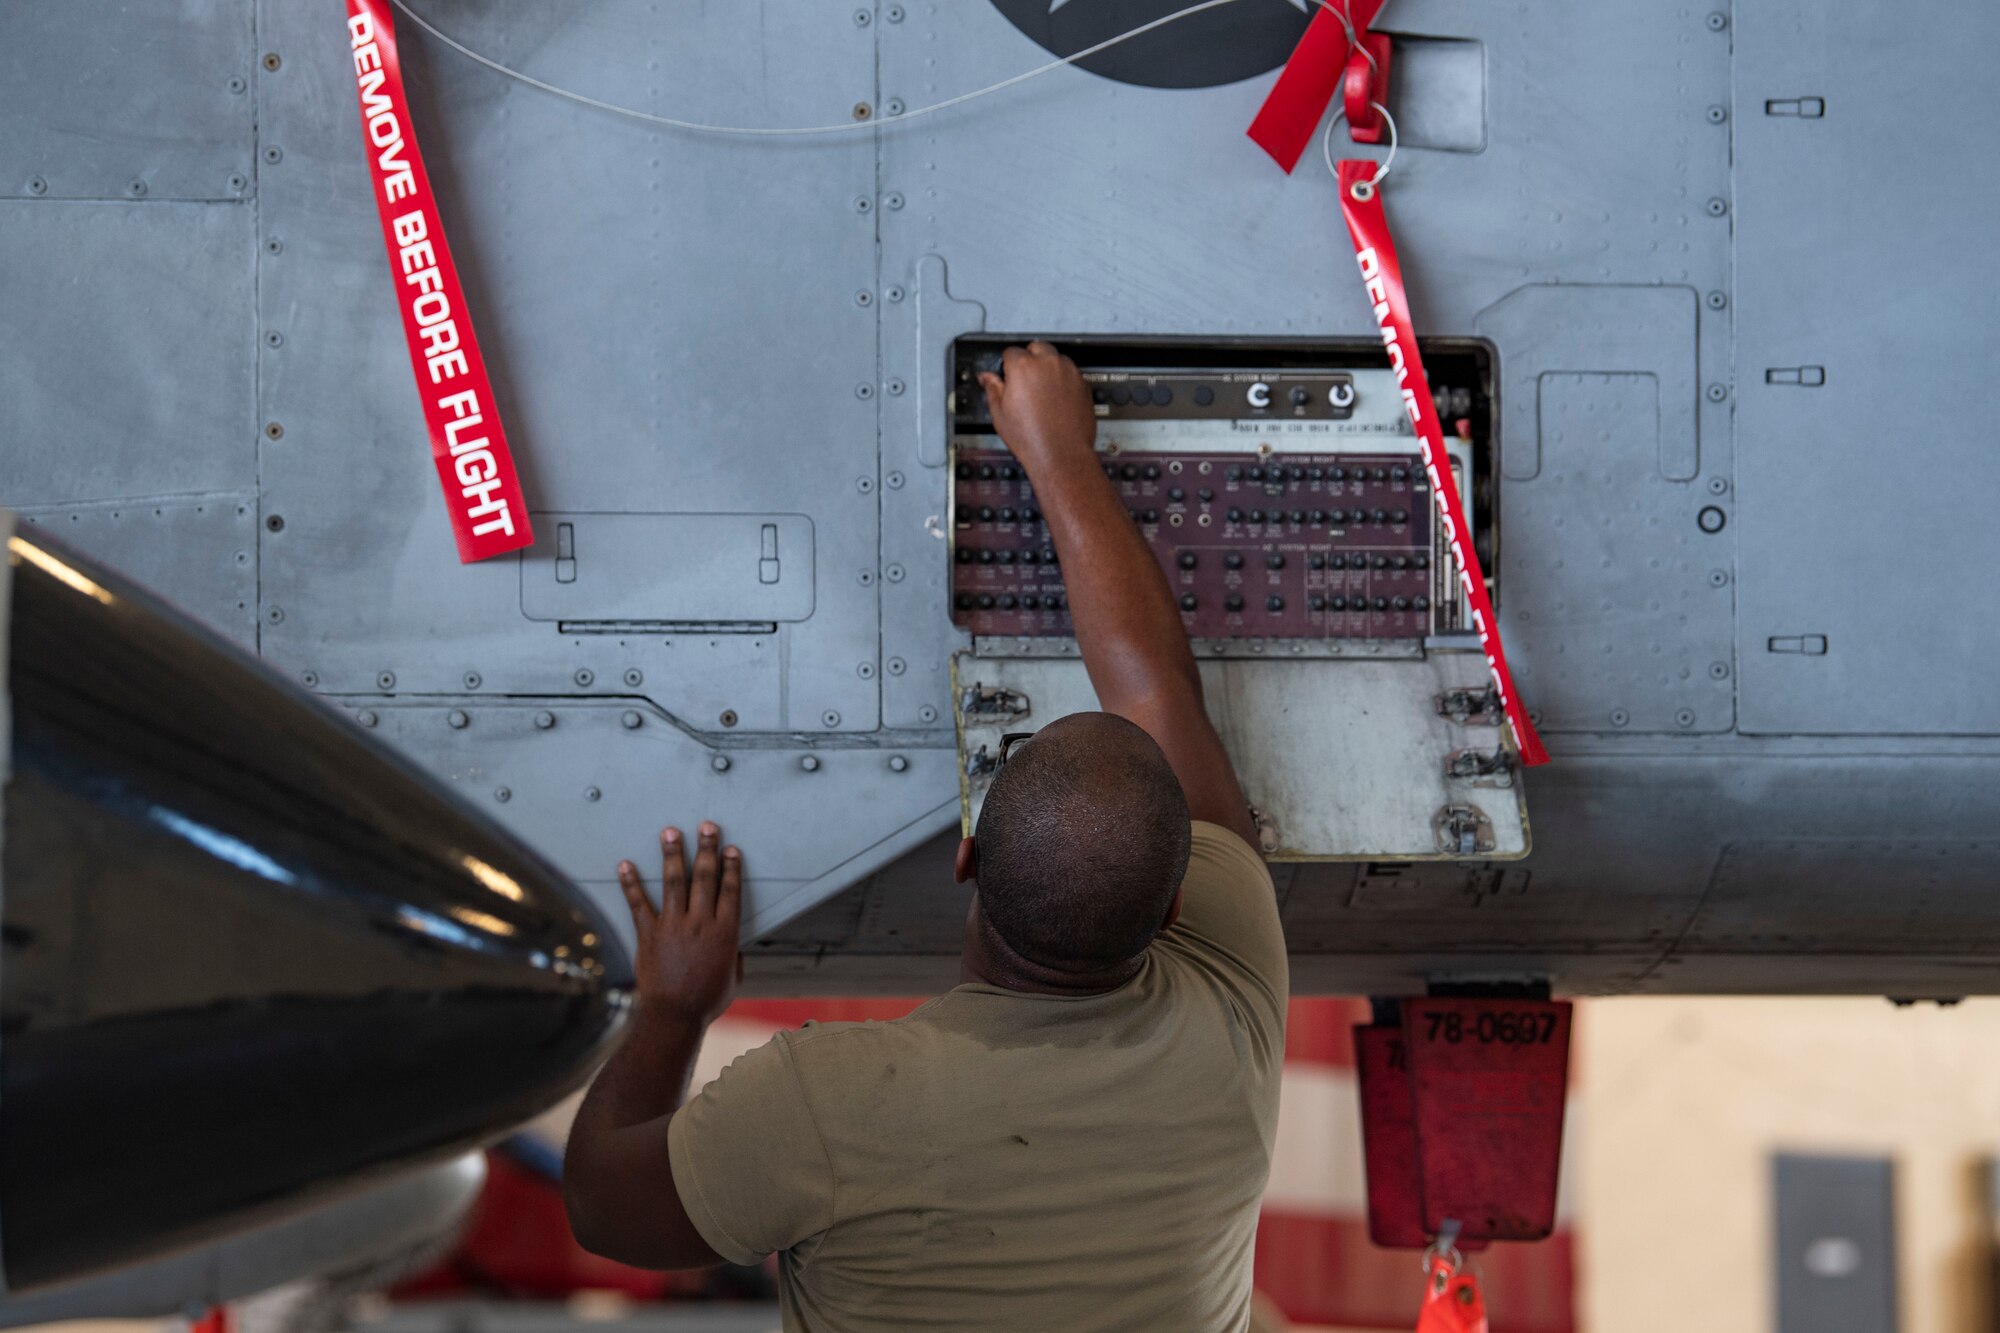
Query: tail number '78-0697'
x,y
1508,1029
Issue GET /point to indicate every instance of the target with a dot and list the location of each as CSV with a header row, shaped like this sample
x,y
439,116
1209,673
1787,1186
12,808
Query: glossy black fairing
x,y
248,955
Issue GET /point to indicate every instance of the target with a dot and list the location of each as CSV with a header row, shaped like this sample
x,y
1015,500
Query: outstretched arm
x,y
618,1186
1126,622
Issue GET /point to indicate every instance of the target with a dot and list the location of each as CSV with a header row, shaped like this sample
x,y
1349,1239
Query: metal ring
x,y
1449,1254
1363,190
1353,40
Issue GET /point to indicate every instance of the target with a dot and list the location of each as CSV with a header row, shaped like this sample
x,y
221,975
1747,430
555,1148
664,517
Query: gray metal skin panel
x,y
687,325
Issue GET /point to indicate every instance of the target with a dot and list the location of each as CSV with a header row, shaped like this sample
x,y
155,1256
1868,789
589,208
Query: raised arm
x,y
1126,622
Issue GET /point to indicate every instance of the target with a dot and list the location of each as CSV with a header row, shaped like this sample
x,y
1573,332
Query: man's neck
x,y
988,958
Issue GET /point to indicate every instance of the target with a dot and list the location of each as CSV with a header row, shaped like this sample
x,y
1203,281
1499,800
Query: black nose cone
x,y
246,955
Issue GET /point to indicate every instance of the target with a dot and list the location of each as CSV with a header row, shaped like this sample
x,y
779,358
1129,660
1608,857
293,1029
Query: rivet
x,y
1717,21
274,430
592,794
862,203
862,111
238,182
1717,392
584,677
503,795
634,677
894,13
728,718
1717,113
275,615
864,391
893,200
458,719
897,666
1717,300
897,763
1717,206
309,678
927,714
895,481
238,84
1718,485
720,763
830,718
1685,717
36,185
1718,578
473,680
867,577
274,154
864,297
810,763
242,557
866,485
544,720
386,680
273,338
136,189
366,717
865,670
894,106
275,523
893,294
894,573
862,18
1619,717
631,720
1718,670
895,388
274,246
271,61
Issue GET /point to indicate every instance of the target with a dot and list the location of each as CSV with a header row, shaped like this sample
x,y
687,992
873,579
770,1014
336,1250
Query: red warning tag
x,y
1452,1300
1382,277
1296,102
489,515
1487,1079
1389,1139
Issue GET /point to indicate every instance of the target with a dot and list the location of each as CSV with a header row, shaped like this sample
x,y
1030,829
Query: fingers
x,y
729,902
707,870
994,387
673,873
635,897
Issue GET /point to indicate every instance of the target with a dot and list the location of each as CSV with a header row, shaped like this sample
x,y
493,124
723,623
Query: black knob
x,y
1176,494
1130,472
1030,602
1098,395
1235,515
1203,395
1316,561
1337,474
1007,557
1423,603
1232,603
1316,602
1056,601
1255,473
1401,603
1300,396
1006,516
1007,602
1120,394
1421,561
1162,395
1381,604
965,556
1141,395
1188,559
1399,516
1275,560
1381,562
1401,562
1339,603
986,601
1029,558
1151,472
965,472
986,557
1256,516
1010,472
963,601
986,513
1381,474
986,472
1337,560
1188,602
1399,474
1298,516
1205,494
1295,472
1234,474
1233,560
1380,516
1316,473
1274,603
1031,515
1319,518
1049,559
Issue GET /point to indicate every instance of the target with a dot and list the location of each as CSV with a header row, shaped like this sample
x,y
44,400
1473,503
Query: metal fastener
x,y
830,718
896,666
631,720
894,13
810,763
239,84
634,678
895,388
544,720
274,246
728,718
864,297
862,203
1619,717
894,479
927,714
1684,718
271,61
309,679
386,680
894,573
892,294
273,431
864,391
1718,578
893,200
1718,485
1717,392
275,615
1711,519
898,764
473,680
866,485
366,717
1717,113
592,794
1717,21
459,719
238,182
274,154
894,106
584,677
273,338
862,18
136,189
867,577
1717,300
275,523
1718,670
865,670
720,763
36,185
1717,206
503,794
862,111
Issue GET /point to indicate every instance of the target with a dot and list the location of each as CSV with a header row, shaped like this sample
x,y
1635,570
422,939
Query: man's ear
x,y
1173,910
965,866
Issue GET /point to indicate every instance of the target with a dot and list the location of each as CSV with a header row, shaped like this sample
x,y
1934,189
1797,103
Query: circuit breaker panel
x,y
1285,496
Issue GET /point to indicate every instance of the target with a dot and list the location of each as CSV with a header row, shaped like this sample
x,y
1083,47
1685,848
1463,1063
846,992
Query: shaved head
x,y
1082,843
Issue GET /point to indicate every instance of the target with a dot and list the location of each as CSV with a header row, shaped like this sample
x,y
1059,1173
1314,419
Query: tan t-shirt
x,y
997,1160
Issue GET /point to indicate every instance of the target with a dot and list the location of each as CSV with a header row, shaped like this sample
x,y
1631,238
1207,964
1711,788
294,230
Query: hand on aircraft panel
x,y
686,959
1040,404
